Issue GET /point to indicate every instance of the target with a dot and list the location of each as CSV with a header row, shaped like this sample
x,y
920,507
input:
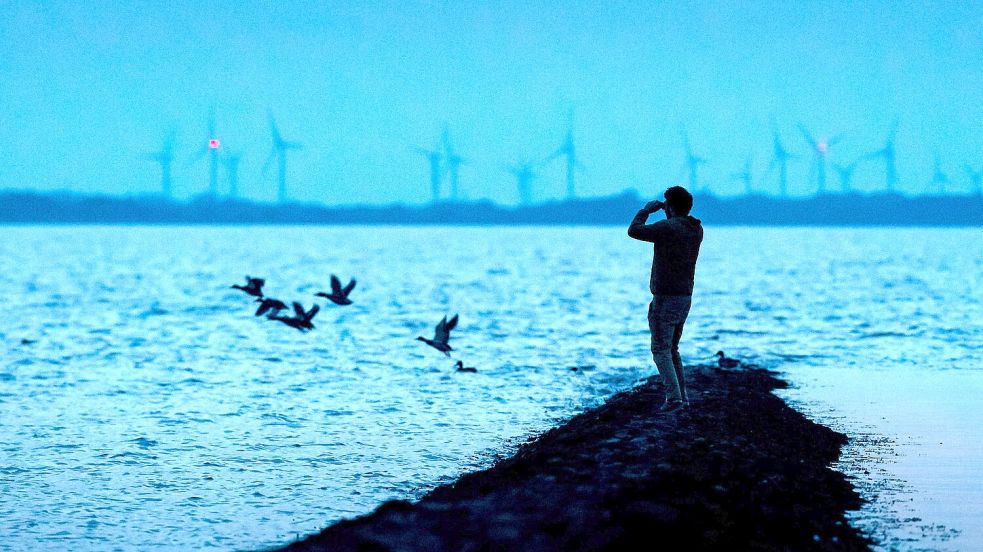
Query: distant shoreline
x,y
713,476
827,210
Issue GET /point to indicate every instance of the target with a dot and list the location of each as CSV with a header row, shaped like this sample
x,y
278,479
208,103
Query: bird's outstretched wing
x,y
258,282
335,285
440,332
312,313
452,323
263,307
348,289
299,310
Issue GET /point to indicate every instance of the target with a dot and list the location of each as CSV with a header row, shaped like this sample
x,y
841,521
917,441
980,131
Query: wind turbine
x,y
568,149
524,175
820,149
693,162
939,178
975,178
454,162
210,148
780,159
887,153
845,172
279,152
433,157
744,176
231,162
164,158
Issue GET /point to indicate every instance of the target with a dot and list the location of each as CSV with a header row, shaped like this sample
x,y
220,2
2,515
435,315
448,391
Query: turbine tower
x,y
939,177
524,175
210,148
433,157
780,159
279,152
845,172
887,153
975,178
820,149
568,149
454,162
693,163
744,176
231,162
164,158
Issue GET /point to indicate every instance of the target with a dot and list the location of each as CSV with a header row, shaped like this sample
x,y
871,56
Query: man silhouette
x,y
676,243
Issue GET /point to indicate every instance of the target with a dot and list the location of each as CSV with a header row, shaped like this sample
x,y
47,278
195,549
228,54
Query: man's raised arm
x,y
641,231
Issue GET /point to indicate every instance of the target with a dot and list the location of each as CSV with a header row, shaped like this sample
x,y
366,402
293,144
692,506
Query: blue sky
x,y
87,89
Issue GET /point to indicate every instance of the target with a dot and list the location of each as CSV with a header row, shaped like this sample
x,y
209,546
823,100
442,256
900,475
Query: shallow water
x,y
155,412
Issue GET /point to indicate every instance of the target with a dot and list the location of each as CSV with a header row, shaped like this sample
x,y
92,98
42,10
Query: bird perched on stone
x,y
268,304
254,286
441,335
462,368
724,362
301,320
338,295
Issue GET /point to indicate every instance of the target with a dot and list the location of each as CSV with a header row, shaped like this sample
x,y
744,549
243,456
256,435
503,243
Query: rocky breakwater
x,y
737,470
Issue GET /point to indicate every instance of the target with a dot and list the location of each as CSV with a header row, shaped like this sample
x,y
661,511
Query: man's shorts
x,y
667,314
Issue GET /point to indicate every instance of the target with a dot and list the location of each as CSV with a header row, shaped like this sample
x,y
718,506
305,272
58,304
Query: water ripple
x,y
148,395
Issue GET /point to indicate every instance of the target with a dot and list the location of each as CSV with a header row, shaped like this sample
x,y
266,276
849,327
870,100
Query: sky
x,y
88,89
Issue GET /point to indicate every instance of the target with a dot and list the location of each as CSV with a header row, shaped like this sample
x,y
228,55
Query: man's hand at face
x,y
653,206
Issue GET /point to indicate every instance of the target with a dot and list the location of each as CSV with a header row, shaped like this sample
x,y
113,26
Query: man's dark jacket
x,y
676,245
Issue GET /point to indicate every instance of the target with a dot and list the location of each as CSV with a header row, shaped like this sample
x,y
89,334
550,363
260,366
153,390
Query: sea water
x,y
144,407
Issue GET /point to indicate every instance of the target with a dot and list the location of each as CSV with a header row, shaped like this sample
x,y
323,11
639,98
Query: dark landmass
x,y
738,470
832,209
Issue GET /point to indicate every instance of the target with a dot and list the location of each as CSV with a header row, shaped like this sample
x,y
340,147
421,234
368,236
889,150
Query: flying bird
x,y
301,320
268,304
338,295
254,286
441,335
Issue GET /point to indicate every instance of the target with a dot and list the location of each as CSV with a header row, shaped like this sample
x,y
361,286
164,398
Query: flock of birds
x,y
302,319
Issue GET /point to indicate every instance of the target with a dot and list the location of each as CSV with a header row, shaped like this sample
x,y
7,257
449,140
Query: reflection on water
x,y
154,410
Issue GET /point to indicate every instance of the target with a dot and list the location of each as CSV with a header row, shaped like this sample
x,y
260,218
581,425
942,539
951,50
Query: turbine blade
x,y
558,153
269,160
808,136
277,139
686,147
197,156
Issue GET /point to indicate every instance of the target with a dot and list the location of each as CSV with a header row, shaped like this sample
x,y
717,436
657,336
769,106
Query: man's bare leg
x,y
667,369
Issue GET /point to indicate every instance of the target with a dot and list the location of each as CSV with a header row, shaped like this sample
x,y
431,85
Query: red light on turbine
x,y
213,143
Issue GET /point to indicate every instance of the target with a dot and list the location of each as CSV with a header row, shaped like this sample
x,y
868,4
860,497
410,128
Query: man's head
x,y
678,201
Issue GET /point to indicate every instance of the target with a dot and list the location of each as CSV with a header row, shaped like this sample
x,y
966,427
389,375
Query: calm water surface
x,y
154,411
